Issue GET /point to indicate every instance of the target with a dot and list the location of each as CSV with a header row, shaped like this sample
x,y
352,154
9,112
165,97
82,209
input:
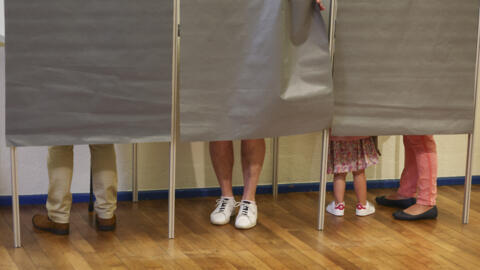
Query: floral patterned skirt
x,y
351,156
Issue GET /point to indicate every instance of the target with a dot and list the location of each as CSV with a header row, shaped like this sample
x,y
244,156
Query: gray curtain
x,y
405,67
86,72
2,77
253,69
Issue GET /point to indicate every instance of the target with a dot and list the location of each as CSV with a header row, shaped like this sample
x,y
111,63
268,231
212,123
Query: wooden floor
x,y
285,238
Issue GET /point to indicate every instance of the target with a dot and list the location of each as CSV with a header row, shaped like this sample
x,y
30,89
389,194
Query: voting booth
x,y
119,71
406,68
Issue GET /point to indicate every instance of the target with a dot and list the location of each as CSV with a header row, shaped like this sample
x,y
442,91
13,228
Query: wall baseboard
x,y
211,192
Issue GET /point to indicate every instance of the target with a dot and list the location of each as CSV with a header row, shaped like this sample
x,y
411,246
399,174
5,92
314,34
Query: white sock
x,y
251,202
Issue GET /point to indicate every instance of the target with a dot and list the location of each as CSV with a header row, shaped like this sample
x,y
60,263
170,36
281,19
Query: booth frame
x,y
325,136
471,139
175,119
135,172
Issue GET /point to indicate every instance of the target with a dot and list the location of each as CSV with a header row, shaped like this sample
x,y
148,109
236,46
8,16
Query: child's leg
x,y
360,184
339,187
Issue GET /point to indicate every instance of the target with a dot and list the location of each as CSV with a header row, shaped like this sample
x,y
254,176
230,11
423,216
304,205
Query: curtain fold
x,y
253,69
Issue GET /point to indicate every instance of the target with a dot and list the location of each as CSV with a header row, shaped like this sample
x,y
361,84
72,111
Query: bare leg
x,y
339,183
395,196
360,184
253,155
221,153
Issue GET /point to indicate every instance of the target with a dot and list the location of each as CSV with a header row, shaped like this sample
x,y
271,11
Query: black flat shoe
x,y
405,203
430,214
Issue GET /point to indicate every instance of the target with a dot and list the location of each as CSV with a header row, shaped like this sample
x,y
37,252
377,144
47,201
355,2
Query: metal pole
x,y
331,30
471,139
326,132
17,240
135,172
174,124
91,206
275,144
323,180
468,180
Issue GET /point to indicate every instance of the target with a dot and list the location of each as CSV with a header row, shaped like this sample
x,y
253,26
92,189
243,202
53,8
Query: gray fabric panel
x,y
2,77
253,69
85,72
405,67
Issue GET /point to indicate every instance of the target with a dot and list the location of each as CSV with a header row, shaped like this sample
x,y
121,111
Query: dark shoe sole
x,y
430,214
106,228
404,204
54,231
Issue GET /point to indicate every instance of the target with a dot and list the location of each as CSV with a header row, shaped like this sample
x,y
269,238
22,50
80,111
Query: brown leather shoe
x,y
106,224
44,223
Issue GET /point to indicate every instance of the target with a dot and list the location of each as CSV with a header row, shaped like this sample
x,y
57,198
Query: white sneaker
x,y
247,215
224,211
365,210
336,209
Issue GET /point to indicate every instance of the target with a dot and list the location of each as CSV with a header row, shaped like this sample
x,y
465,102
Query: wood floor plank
x,y
285,237
6,261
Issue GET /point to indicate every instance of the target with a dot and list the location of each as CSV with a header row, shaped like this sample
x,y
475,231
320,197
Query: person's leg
x,y
339,185
337,207
104,169
428,168
59,201
253,156
364,207
404,197
426,159
408,180
221,153
60,172
360,185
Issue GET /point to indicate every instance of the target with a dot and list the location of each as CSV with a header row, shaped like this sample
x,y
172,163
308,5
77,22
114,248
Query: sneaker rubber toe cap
x,y
243,222
219,219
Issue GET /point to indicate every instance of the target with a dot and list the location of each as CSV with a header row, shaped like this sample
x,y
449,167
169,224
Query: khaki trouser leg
x,y
104,168
60,172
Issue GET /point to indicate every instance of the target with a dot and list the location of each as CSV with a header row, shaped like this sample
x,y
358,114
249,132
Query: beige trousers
x,y
60,171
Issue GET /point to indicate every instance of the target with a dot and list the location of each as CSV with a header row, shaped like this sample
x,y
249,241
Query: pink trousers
x,y
419,176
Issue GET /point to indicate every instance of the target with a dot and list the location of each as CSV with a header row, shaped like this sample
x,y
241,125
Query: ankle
x,y
250,199
227,195
396,196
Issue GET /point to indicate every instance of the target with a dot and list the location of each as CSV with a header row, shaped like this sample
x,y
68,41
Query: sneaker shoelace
x,y
361,207
223,204
340,206
243,208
